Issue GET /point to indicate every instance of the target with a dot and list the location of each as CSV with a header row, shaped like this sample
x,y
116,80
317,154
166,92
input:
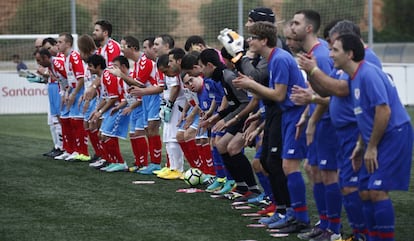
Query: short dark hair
x,y
52,41
312,17
122,60
189,60
162,61
210,55
68,37
105,25
44,52
96,60
177,53
167,39
351,42
132,42
265,30
328,28
150,40
194,39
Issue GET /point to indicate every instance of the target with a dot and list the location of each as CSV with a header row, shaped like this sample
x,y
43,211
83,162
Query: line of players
x,y
210,112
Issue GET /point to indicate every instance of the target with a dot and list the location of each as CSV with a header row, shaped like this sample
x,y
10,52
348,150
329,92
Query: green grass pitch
x,y
43,199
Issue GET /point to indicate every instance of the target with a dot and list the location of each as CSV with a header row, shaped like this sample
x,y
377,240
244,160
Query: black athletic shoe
x,y
296,227
49,153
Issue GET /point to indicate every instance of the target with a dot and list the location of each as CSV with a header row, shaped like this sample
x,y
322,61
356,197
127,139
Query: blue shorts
x,y
55,99
92,106
137,119
258,152
394,160
64,111
115,125
151,104
347,138
292,149
327,145
76,108
202,134
193,125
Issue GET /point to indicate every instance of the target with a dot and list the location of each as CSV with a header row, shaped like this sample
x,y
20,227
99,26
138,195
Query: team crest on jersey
x,y
357,93
205,105
207,86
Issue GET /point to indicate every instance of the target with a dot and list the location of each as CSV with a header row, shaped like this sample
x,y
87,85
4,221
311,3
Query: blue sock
x,y
264,181
333,199
384,219
369,217
353,207
320,201
218,164
297,191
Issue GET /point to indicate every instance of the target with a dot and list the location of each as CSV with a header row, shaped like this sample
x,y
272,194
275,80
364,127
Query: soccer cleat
x,y
207,179
163,172
295,226
133,169
149,169
72,156
227,187
232,195
327,235
216,185
272,219
117,167
82,158
104,168
270,209
256,199
285,221
63,156
315,232
49,153
164,169
94,158
352,237
56,153
97,163
172,175
246,196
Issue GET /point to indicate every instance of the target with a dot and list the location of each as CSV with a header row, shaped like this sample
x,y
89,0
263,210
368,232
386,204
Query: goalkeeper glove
x,y
233,42
168,111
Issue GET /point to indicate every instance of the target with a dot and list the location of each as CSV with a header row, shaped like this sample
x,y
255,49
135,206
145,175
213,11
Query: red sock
x,y
80,137
207,159
67,134
113,150
155,148
194,154
140,150
94,138
188,156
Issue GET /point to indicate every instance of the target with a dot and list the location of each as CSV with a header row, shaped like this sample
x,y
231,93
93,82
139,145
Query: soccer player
x,y
386,135
344,120
283,74
75,73
115,122
234,159
107,47
321,135
90,98
143,68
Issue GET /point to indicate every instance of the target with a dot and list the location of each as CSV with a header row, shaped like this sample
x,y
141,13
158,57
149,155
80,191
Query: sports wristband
x,y
314,69
313,98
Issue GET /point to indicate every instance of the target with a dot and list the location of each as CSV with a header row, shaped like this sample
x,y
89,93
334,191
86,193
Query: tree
x,y
138,18
397,19
48,16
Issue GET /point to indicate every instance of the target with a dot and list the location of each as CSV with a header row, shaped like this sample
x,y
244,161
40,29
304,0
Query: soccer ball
x,y
193,176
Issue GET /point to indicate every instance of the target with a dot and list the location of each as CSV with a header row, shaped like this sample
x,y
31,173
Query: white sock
x,y
175,155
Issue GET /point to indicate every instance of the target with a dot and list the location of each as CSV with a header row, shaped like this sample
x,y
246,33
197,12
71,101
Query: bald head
x,y
38,43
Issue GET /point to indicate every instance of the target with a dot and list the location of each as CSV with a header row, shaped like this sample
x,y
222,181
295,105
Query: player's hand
x,y
356,156
136,91
242,81
370,157
219,126
232,41
300,126
300,95
115,70
310,132
306,62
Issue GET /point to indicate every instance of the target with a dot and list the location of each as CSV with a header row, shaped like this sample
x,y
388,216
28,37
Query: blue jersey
x,y
283,69
371,87
211,90
341,109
